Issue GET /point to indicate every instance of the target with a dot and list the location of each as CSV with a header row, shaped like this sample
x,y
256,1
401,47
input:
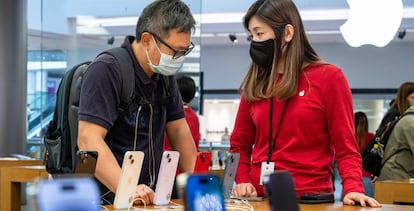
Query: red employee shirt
x,y
318,123
194,125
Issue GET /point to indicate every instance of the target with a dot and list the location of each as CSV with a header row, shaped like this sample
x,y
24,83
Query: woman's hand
x,y
244,190
143,194
353,198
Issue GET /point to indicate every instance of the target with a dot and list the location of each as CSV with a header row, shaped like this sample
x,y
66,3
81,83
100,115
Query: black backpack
x,y
374,152
61,135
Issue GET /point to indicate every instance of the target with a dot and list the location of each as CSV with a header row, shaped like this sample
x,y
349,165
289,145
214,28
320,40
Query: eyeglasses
x,y
177,53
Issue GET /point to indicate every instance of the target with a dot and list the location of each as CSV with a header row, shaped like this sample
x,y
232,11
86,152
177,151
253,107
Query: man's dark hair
x,y
187,87
161,16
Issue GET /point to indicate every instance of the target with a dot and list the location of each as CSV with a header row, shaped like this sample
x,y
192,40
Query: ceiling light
x,y
111,40
233,38
401,34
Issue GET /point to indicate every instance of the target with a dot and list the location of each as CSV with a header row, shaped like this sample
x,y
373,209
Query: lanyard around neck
x,y
272,141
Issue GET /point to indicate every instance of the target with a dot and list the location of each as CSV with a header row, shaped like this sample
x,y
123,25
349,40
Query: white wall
x,y
365,67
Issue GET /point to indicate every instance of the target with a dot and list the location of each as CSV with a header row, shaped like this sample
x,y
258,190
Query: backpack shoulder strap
x,y
393,125
127,74
406,113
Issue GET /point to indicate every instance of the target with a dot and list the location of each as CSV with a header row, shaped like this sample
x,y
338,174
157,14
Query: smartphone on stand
x,y
128,180
69,193
166,177
203,192
202,162
229,176
86,162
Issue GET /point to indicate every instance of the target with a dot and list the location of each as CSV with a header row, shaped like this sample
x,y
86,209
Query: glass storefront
x,y
64,33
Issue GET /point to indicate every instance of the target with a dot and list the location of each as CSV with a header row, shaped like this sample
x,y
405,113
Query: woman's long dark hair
x,y
258,82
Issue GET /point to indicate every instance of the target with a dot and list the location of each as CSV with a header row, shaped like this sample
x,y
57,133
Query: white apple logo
x,y
372,22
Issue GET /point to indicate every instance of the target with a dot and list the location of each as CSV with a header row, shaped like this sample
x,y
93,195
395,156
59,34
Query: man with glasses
x,y
163,39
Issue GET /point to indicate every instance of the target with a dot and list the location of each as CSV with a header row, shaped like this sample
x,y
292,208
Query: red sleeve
x,y
242,139
339,111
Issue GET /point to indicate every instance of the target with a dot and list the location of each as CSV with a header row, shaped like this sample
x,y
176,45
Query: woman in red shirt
x,y
363,137
295,112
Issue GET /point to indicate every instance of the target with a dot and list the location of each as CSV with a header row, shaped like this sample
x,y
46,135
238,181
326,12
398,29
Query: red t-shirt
x,y
194,125
318,123
368,137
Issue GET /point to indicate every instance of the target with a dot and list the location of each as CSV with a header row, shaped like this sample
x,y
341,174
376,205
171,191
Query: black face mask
x,y
262,53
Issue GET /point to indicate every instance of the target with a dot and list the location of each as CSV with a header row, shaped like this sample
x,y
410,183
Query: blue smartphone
x,y
65,194
203,192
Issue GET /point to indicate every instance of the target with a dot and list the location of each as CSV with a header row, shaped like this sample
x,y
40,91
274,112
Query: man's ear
x,y
289,32
146,39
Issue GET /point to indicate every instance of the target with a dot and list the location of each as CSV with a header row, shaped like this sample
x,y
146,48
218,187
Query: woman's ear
x,y
289,32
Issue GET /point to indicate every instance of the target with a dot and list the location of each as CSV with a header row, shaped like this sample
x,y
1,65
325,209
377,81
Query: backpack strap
x,y
127,75
399,150
407,113
128,82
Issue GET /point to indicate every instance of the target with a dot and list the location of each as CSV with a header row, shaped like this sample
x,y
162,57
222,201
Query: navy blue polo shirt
x,y
100,98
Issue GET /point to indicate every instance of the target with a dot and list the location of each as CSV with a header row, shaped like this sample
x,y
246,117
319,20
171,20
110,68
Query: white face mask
x,y
168,65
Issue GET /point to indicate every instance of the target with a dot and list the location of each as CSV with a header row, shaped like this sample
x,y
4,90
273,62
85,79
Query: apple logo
x,y
373,22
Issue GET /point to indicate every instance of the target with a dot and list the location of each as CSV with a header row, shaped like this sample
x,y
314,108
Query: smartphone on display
x,y
232,162
280,190
70,193
166,177
203,192
128,180
202,162
86,162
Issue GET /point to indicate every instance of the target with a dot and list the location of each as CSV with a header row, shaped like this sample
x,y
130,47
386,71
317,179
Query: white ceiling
x,y
215,28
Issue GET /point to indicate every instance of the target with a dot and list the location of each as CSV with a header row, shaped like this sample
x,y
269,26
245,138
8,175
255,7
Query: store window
x,y
64,33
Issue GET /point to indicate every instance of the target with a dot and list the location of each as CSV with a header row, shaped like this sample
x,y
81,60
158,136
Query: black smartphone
x,y
280,190
203,192
86,162
69,193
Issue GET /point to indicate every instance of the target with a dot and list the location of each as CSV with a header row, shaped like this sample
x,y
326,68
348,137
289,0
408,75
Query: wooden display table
x,y
11,176
337,206
14,162
395,192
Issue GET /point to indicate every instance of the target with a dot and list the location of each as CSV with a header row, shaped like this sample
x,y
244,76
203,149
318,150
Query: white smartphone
x,y
128,180
232,162
166,177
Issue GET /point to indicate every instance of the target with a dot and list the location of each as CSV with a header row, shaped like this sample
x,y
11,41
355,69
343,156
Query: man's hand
x,y
244,190
143,195
354,198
